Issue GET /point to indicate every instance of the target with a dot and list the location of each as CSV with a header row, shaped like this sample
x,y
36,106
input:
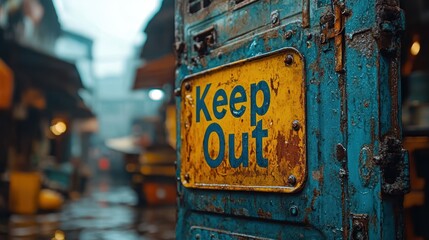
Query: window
x,y
197,5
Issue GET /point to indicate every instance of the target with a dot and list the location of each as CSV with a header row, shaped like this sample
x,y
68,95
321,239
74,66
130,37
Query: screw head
x,y
342,173
187,177
275,18
288,60
293,210
288,34
291,180
296,125
187,86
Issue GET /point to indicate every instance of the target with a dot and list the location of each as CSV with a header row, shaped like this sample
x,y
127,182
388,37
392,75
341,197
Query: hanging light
x,y
58,127
415,48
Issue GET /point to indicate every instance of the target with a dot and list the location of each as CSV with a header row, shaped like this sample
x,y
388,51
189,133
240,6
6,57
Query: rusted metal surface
x,y
233,136
339,36
393,161
359,227
305,13
351,98
332,25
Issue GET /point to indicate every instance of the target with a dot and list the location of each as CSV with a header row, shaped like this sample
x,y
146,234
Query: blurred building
x,y
415,114
46,111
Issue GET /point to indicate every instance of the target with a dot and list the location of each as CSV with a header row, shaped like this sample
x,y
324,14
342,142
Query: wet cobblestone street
x,y
105,212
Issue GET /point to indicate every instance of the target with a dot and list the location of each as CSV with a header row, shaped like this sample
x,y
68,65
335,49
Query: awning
x,y
158,50
156,73
59,80
160,33
126,145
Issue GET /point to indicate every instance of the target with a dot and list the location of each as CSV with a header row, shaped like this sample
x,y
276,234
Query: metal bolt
x,y
291,180
187,86
296,125
322,38
187,177
288,34
288,59
357,225
342,173
275,17
293,210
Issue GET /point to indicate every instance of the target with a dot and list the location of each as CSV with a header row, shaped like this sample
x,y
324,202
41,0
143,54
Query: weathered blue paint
x,y
349,116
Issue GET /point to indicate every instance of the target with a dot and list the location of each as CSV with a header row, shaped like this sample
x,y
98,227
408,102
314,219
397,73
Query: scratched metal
x,y
352,88
283,146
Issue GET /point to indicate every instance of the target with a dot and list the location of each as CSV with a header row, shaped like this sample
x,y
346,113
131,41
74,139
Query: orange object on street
x,y
24,192
6,85
159,193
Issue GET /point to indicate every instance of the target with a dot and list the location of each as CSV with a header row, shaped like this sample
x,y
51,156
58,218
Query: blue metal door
x,y
250,165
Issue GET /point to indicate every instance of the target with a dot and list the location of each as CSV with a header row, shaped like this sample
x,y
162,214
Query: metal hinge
x,y
332,27
359,226
393,161
390,23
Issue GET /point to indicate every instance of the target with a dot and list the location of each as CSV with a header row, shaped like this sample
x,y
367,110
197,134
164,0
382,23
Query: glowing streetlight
x,y
156,94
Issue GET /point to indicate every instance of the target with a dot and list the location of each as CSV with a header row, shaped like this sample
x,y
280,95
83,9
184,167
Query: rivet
x,y
288,59
322,38
342,173
187,86
197,236
187,177
293,210
291,180
309,36
177,92
288,34
296,125
275,17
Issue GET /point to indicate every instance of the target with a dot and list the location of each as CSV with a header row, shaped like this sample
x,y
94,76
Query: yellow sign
x,y
243,125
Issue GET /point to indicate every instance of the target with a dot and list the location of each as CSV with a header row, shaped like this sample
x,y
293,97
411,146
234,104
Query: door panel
x,y
356,170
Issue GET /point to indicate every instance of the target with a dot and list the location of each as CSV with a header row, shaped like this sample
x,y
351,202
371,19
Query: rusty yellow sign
x,y
243,125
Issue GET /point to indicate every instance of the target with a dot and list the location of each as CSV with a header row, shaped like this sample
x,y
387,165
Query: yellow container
x,y
24,192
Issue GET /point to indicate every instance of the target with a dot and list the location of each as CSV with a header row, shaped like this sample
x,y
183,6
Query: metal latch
x,y
205,41
393,161
390,23
332,26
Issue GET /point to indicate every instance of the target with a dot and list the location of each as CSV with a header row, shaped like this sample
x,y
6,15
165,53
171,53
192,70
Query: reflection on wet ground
x,y
104,213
